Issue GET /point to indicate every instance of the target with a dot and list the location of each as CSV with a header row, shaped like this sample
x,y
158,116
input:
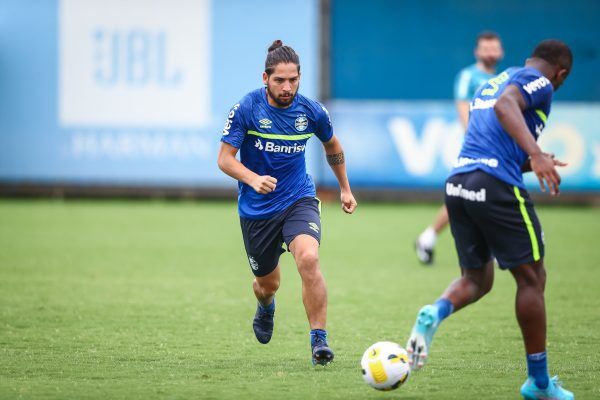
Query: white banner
x,y
134,63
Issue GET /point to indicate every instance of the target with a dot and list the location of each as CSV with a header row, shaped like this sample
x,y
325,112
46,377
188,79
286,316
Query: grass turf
x,y
141,300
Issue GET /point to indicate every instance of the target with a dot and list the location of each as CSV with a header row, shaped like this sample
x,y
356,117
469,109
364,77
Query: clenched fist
x,y
264,184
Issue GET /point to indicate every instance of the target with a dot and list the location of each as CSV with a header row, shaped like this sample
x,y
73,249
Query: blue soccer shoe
x,y
554,391
321,353
419,343
263,324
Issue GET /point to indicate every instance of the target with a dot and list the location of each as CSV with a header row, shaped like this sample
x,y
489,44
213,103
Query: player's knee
x,y
272,287
533,283
269,290
309,270
481,287
534,278
540,277
268,287
482,281
308,260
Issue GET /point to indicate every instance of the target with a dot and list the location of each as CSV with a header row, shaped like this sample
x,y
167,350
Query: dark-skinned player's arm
x,y
335,158
509,108
526,167
227,162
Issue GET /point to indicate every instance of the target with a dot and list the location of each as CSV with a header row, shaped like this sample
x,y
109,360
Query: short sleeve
x,y
462,84
235,127
536,90
324,128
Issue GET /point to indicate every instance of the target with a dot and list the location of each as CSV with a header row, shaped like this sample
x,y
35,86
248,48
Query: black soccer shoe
x,y
263,324
321,353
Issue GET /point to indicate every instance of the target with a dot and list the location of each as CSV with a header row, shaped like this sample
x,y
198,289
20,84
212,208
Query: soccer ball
x,y
385,366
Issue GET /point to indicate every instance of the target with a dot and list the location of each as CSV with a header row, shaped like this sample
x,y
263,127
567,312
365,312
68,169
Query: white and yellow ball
x,y
385,366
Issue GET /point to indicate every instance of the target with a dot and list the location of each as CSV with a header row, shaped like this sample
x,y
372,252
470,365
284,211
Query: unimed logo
x,y
134,63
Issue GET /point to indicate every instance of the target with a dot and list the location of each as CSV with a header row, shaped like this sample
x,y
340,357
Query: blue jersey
x,y
487,146
272,141
468,80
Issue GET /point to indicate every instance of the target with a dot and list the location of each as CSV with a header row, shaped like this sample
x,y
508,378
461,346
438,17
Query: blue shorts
x,y
264,238
489,217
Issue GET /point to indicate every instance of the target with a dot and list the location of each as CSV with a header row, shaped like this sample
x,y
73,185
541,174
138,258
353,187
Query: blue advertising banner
x,y
137,92
413,145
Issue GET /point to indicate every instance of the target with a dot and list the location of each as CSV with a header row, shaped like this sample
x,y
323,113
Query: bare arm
x,y
335,158
526,167
231,166
508,109
462,108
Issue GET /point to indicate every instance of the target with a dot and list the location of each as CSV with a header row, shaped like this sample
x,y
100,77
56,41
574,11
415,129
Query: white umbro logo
x,y
265,123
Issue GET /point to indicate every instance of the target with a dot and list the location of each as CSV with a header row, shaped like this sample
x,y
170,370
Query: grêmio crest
x,y
301,123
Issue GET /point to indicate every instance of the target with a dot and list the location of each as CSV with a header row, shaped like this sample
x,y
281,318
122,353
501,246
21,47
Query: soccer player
x,y
488,52
270,127
491,214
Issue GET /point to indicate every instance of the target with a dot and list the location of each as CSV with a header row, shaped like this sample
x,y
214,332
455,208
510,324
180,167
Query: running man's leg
x,y
531,314
441,220
266,286
425,243
477,269
302,233
470,287
263,241
530,307
305,250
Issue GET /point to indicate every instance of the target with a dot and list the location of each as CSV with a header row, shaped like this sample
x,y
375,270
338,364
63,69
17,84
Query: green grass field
x,y
143,300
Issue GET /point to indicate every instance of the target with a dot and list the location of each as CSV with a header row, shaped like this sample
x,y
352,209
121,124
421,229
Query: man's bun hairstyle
x,y
555,52
276,44
278,53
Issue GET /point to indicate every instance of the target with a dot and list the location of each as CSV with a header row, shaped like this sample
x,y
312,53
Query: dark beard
x,y
490,63
281,103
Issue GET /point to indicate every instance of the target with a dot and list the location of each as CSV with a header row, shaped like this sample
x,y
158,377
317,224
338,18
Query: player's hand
x,y
348,202
263,184
526,167
543,165
557,162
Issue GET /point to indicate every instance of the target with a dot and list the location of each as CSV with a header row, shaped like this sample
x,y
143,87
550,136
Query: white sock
x,y
427,238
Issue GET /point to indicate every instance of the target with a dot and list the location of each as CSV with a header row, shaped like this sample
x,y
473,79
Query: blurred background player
x,y
488,52
277,204
491,214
